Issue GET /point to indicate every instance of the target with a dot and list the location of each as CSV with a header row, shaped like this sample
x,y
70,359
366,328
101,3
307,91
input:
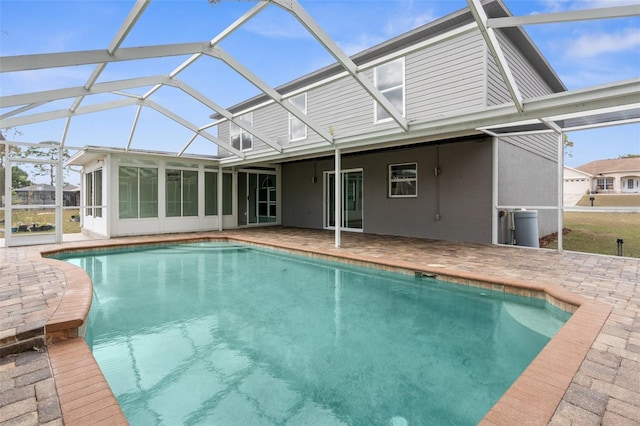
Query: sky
x,y
278,49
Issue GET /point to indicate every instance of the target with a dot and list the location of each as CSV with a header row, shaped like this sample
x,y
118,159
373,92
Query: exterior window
x,y
605,184
389,80
210,193
97,191
181,193
89,193
138,192
403,180
227,193
241,139
93,196
631,183
297,129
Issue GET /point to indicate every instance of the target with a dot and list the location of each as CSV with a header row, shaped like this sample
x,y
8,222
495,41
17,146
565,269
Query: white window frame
x,y
413,179
605,183
631,183
295,120
376,108
237,131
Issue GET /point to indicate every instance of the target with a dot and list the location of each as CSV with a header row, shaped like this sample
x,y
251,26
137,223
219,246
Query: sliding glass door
x,y
351,200
259,191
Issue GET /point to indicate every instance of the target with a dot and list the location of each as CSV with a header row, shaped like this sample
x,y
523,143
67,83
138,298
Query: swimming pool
x,y
228,334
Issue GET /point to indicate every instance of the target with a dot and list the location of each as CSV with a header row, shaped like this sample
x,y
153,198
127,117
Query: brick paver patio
x,y
605,389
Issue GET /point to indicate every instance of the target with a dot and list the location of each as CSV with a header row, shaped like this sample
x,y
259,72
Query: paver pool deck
x,y
589,374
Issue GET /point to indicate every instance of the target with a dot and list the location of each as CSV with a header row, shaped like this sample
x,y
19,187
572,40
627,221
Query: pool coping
x,y
532,399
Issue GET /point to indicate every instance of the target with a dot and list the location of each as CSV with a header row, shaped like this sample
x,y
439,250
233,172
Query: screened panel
x,y
148,192
210,193
227,193
189,193
173,191
98,192
128,192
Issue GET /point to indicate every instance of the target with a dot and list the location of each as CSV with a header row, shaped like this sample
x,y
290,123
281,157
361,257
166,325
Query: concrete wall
x,y
462,193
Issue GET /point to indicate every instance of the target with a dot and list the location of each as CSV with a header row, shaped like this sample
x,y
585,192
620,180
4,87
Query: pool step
x,y
22,342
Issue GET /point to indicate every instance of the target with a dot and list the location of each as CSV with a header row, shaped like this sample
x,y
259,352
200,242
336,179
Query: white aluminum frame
x,y
614,97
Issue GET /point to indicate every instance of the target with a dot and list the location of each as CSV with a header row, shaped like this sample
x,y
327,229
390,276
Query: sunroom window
x,y
93,193
240,138
389,80
138,192
181,193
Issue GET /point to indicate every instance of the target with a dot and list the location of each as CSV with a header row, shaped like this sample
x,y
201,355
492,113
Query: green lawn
x,y
44,216
610,200
598,232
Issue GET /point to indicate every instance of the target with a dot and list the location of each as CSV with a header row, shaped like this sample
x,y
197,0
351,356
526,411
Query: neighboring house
x,y
443,181
576,184
44,194
621,175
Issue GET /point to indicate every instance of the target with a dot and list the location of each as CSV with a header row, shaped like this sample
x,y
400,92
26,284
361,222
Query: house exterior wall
x,y
619,182
576,184
461,193
634,186
110,223
443,78
527,79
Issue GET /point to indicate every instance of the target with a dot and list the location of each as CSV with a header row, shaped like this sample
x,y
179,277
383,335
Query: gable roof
x,y
570,172
493,9
616,165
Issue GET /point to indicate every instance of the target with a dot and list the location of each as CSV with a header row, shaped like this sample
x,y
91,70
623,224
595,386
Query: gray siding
x,y
464,192
446,77
443,78
545,145
342,106
529,82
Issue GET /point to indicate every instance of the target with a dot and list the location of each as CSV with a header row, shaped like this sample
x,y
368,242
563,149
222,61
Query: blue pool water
x,y
218,333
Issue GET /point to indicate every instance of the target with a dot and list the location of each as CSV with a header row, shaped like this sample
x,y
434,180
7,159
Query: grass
x,y
610,200
45,216
598,232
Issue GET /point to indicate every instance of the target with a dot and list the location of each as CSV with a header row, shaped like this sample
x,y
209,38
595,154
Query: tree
x,y
567,145
12,148
19,178
629,156
46,170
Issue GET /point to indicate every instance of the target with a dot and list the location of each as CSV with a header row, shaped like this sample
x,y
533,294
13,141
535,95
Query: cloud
x,y
362,42
553,6
590,4
44,79
594,44
403,23
401,19
277,26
